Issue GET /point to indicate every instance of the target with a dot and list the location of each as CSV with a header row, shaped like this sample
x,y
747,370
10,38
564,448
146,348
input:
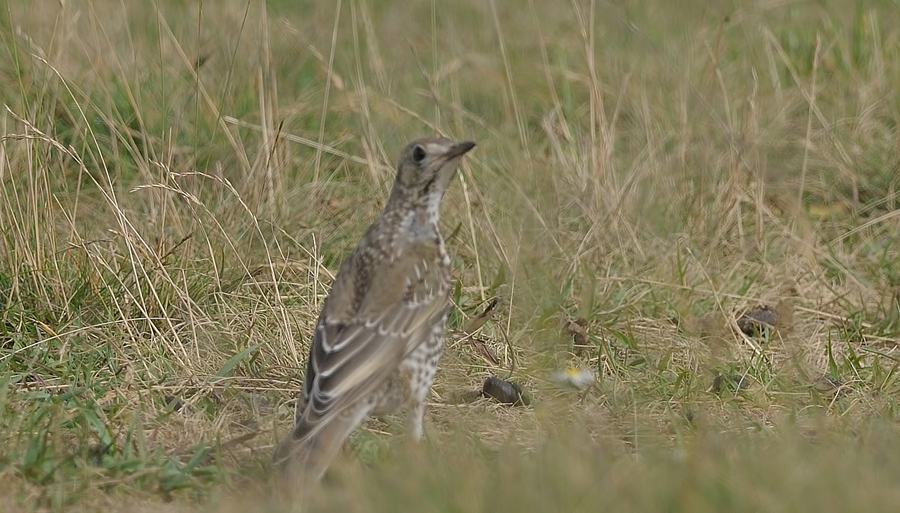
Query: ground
x,y
179,182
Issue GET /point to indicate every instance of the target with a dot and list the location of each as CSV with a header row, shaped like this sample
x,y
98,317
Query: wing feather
x,y
379,315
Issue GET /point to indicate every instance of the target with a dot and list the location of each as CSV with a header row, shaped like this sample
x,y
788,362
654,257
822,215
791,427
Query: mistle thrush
x,y
380,334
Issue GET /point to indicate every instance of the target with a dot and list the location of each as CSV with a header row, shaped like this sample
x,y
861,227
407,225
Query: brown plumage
x,y
380,334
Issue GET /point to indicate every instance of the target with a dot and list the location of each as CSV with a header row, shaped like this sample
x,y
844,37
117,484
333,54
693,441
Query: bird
x,y
379,337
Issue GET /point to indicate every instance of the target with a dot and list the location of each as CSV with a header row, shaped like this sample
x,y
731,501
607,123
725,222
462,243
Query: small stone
x,y
173,402
757,321
578,329
505,392
733,382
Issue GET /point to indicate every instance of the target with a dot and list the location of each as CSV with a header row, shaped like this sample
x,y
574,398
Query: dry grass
x,y
178,184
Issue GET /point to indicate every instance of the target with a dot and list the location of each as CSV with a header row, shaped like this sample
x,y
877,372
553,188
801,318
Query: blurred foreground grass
x,y
178,183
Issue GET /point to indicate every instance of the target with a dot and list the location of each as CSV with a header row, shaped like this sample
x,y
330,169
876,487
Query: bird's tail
x,y
305,457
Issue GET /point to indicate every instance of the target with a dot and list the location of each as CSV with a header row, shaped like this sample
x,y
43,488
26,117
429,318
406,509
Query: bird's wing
x,y
378,311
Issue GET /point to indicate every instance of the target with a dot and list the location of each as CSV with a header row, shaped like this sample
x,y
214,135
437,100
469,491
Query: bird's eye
x,y
418,154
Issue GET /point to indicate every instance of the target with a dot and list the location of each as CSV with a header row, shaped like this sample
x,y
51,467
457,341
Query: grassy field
x,y
180,180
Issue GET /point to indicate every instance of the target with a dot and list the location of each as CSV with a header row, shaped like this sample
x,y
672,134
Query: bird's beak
x,y
457,150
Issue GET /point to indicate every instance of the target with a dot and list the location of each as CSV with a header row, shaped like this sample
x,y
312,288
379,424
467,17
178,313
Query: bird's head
x,y
426,167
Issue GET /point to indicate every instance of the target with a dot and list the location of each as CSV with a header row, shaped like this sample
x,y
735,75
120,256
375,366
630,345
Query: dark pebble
x,y
173,402
505,392
731,381
755,321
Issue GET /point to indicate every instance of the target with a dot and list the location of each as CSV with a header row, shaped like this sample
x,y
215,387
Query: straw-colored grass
x,y
180,180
